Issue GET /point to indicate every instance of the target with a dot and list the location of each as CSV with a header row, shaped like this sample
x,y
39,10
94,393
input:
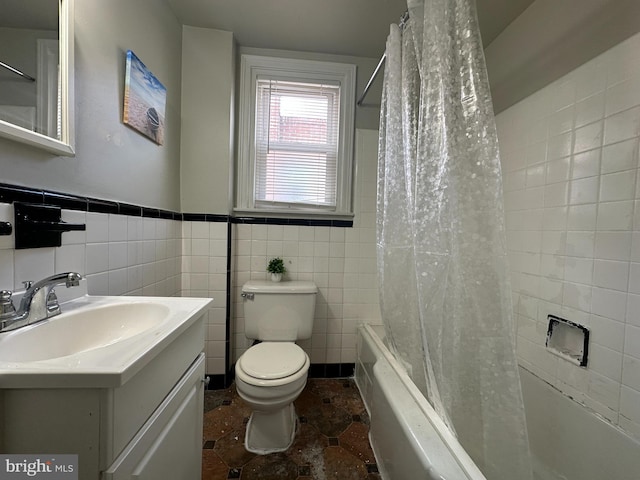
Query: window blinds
x,y
296,144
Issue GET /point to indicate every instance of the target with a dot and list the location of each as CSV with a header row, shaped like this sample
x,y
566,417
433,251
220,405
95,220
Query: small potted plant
x,y
276,268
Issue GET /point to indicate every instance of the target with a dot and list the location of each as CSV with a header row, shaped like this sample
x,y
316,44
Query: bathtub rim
x,y
446,436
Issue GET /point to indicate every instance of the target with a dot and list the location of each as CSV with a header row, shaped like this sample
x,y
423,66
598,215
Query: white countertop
x,y
105,366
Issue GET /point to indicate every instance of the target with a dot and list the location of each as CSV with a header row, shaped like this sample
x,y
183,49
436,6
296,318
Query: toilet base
x,y
270,432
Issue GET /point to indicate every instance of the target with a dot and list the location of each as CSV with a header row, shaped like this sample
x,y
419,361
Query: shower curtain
x,y
444,289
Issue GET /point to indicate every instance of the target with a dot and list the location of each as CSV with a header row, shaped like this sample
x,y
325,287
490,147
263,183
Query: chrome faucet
x,y
39,301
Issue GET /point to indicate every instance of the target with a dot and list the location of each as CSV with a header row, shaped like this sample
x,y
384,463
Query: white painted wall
x,y
552,38
206,153
113,161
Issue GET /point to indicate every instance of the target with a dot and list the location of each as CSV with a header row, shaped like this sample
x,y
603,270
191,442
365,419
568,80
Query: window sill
x,y
291,214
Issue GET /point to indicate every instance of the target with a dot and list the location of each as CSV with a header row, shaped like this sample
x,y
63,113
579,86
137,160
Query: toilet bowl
x,y
271,374
269,377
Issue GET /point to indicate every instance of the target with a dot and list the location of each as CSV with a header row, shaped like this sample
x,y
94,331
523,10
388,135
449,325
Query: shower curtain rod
x,y
17,72
403,21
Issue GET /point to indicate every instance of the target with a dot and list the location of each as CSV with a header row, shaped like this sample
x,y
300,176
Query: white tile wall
x,y
572,201
204,274
109,253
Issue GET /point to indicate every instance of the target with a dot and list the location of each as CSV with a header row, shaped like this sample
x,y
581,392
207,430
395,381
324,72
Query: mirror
x,y
36,73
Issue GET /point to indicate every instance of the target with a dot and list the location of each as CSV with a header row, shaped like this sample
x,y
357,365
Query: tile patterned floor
x,y
331,444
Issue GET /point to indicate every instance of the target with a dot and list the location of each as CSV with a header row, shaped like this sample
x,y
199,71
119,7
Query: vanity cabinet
x,y
169,445
149,426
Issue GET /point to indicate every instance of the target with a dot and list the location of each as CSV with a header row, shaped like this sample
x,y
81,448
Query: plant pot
x,y
276,277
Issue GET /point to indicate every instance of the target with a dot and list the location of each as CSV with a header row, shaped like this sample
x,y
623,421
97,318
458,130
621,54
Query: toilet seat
x,y
272,360
272,363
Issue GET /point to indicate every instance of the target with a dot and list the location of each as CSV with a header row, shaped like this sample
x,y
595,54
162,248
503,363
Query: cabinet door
x,y
169,445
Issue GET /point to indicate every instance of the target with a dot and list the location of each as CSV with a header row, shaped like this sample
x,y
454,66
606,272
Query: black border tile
x,y
331,370
372,468
304,470
216,382
342,223
213,217
150,212
166,215
277,221
209,444
68,202
230,376
347,369
299,221
320,223
303,222
205,217
316,370
251,220
130,210
102,206
194,217
228,303
13,193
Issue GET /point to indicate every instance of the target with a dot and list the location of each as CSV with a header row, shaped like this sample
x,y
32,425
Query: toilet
x,y
271,374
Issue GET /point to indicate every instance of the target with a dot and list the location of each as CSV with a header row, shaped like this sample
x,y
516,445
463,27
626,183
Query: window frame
x,y
253,67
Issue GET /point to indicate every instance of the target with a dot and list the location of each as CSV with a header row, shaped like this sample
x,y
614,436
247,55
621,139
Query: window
x,y
296,134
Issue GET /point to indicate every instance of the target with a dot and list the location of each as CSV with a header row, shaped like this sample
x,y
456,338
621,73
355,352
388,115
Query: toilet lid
x,y
272,360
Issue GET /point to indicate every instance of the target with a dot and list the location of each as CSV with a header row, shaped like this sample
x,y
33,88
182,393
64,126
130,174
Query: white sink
x,y
80,331
96,341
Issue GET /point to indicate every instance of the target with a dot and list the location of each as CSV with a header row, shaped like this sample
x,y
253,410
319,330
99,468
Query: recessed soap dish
x,y
568,340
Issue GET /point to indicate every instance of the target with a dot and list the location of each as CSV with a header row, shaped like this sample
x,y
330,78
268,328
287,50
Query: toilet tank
x,y
278,311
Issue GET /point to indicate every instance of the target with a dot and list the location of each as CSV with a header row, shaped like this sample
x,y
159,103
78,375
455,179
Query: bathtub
x,y
408,438
568,442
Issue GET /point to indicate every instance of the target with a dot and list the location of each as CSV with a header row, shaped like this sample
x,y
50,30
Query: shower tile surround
x,y
124,253
570,158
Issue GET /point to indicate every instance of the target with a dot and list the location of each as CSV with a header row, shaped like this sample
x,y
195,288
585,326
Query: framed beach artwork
x,y
145,99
